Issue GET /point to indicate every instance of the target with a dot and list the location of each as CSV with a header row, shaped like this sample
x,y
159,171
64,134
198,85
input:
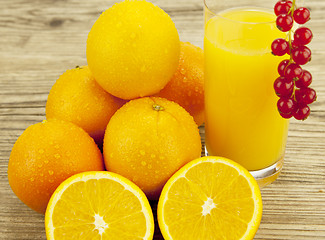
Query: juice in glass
x,y
242,121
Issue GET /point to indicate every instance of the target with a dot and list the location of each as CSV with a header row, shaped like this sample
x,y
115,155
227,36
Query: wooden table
x,y
40,39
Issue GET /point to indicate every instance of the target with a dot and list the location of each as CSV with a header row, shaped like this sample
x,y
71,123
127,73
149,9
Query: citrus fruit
x,y
149,139
210,198
133,49
98,205
186,87
76,97
46,154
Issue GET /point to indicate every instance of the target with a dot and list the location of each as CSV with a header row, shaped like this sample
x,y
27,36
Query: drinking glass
x,y
242,120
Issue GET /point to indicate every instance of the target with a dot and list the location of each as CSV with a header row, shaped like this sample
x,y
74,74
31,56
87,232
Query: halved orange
x,y
210,198
98,205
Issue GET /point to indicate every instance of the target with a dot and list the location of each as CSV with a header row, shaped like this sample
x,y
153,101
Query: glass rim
x,y
242,22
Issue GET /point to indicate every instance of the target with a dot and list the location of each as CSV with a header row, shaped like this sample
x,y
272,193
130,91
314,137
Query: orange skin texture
x,y
186,87
76,97
45,155
148,140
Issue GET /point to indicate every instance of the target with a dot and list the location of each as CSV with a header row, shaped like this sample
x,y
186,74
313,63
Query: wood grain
x,y
40,39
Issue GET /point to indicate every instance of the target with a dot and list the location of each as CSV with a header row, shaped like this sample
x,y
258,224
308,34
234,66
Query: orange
x,y
148,140
46,154
76,97
133,49
98,205
210,198
186,87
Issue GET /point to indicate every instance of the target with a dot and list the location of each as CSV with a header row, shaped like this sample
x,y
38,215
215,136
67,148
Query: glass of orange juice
x,y
242,120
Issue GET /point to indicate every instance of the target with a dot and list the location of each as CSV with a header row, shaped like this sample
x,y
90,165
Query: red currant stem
x,y
291,11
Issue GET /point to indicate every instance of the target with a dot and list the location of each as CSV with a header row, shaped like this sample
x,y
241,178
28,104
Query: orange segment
x,y
210,198
98,205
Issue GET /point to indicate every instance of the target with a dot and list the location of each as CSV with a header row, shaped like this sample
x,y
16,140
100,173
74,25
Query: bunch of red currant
x,y
292,86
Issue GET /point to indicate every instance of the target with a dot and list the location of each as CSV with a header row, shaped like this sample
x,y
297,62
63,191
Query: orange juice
x,y
242,121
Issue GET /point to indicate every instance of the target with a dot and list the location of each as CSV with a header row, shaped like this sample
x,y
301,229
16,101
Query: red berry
x,y
286,106
301,15
280,47
302,112
283,87
305,79
293,71
305,95
286,115
282,7
301,55
284,22
282,65
303,36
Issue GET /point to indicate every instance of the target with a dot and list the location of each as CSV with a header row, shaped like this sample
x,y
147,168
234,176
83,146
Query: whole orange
x,y
133,49
186,87
148,139
46,154
76,97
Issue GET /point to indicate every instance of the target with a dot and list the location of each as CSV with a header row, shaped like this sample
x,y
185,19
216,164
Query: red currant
x,y
305,95
301,55
305,79
283,87
284,22
282,65
301,15
286,115
302,112
292,86
282,7
280,47
293,71
286,106
303,36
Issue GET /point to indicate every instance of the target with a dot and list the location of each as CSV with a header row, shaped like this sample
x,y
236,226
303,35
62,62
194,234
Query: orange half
x,y
210,198
98,205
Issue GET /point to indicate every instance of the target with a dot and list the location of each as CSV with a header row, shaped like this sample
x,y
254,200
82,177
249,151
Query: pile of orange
x,y
140,100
